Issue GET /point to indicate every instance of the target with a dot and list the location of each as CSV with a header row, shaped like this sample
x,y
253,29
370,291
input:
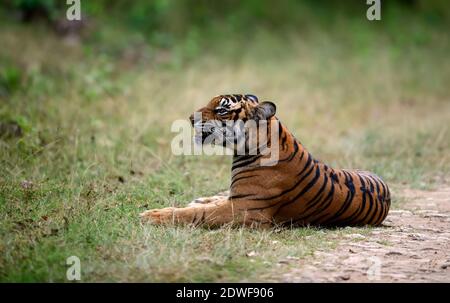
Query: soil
x,y
413,245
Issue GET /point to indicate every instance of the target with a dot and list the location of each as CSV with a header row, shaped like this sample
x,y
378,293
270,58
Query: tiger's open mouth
x,y
215,132
211,133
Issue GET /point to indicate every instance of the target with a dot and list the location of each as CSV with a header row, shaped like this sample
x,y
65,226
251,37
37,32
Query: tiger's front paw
x,y
158,216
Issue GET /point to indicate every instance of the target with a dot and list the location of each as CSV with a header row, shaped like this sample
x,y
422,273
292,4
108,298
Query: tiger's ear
x,y
252,97
265,110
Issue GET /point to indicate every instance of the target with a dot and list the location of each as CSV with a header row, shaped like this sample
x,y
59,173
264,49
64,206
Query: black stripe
x,y
371,201
369,180
358,211
292,155
377,199
384,191
289,189
385,209
381,215
236,113
326,204
343,209
241,178
376,184
311,202
346,221
370,220
247,169
245,162
281,135
363,203
240,196
348,200
238,97
307,164
305,189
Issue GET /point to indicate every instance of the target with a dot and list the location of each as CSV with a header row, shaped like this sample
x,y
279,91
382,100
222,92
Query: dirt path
x,y
413,246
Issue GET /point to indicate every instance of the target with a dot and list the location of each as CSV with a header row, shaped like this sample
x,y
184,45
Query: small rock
x,y
417,237
435,216
394,253
344,277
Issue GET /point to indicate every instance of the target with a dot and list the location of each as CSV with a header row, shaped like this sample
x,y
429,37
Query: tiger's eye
x,y
221,111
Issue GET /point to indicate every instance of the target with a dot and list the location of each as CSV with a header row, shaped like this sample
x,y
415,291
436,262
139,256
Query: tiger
x,y
298,190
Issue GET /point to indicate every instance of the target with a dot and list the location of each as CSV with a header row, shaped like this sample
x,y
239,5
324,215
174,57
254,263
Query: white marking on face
x,y
225,102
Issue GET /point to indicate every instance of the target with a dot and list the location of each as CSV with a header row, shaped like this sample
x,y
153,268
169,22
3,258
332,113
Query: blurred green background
x,y
192,28
86,109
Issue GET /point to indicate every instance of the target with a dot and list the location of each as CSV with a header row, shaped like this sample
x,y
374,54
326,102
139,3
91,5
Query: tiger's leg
x,y
205,200
212,214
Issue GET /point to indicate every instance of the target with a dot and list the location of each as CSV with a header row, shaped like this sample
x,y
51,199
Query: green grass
x,y
96,145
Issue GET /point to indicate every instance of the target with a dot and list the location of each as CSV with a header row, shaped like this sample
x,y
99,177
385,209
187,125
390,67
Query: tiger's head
x,y
224,119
